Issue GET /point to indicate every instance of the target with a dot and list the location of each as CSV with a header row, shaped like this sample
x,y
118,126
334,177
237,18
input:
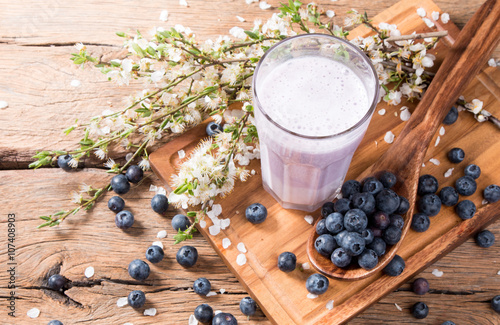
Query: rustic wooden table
x,y
35,79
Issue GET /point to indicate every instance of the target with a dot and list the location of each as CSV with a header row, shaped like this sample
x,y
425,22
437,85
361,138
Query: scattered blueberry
x,y
448,196
492,193
340,236
364,202
317,284
377,232
116,204
350,187
420,286
420,222
429,204
159,203
456,155
427,184
495,303
138,270
334,223
213,129
224,319
256,213
56,282
321,227
327,208
124,219
202,286
420,310
465,209
248,306
355,220
473,171
353,243
404,205
136,299
204,313
63,162
388,179
342,206
395,267
180,222
485,239
340,257
368,259
134,174
55,322
397,221
380,220
448,322
120,184
387,201
287,262
466,185
451,117
378,245
155,254
367,235
372,186
325,244
187,256
392,235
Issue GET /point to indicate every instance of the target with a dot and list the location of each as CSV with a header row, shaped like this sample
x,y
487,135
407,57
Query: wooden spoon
x,y
404,158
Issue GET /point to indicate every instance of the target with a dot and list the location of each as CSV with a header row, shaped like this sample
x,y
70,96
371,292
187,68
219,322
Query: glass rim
x,y
330,136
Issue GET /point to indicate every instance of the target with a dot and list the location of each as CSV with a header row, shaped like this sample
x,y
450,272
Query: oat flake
x,y
241,259
161,234
312,296
226,242
437,273
309,219
329,305
150,312
33,313
389,137
123,301
241,247
89,272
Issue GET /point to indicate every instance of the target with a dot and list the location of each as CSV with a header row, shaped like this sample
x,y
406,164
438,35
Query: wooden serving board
x,y
283,296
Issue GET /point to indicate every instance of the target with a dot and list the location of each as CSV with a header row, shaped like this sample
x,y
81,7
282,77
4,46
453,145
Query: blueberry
x,y
355,220
388,179
116,204
120,184
248,306
466,185
465,209
451,117
224,319
420,222
485,239
353,243
340,236
367,235
473,171
395,267
136,299
378,245
364,201
204,313
56,282
380,220
377,232
154,254
256,213
138,270
350,187
213,129
495,303
387,201
397,221
317,284
448,322
134,174
187,256
63,162
342,205
327,208
448,196
321,227
124,219
404,205
334,223
159,203
55,322
429,204
325,244
427,184
202,286
340,257
420,310
492,193
456,155
420,286
180,222
287,262
368,259
392,235
372,186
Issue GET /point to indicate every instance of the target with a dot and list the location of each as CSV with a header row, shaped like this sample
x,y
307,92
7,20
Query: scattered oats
x,y
217,209
498,273
329,305
399,308
183,3
330,13
237,212
309,219
217,312
376,143
75,83
405,114
241,259
224,223
437,273
33,313
241,247
226,242
222,291
89,272
161,234
381,111
192,320
306,266
396,114
389,137
445,18
203,223
448,172
491,63
123,301
211,293
153,188
241,18
442,131
252,172
484,202
423,164
164,15
421,12
214,230
129,156
435,15
161,191
158,243
428,22
3,104
181,154
312,296
264,5
435,161
150,312
437,141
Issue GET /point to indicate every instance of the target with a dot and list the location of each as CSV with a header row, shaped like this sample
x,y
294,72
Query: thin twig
x,y
405,68
417,36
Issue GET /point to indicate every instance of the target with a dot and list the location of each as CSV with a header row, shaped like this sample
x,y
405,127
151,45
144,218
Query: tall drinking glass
x,y
314,96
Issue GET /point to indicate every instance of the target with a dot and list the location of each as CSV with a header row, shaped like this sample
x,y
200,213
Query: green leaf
x,y
59,213
79,60
181,189
252,35
191,214
138,49
68,130
44,224
121,34
45,218
86,142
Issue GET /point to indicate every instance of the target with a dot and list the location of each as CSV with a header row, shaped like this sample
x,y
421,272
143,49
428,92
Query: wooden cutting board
x,y
282,296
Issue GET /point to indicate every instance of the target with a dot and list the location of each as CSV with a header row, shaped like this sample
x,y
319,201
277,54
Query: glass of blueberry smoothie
x,y
314,96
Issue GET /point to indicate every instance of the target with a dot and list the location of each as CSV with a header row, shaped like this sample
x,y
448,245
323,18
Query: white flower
x,y
79,46
238,32
475,107
110,164
393,97
127,65
264,5
73,163
76,197
435,15
492,62
164,15
330,13
144,164
183,3
428,22
157,75
241,19
421,12
445,18
99,153
427,61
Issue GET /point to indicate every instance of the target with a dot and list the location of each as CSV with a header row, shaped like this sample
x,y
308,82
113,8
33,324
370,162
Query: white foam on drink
x,y
313,96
